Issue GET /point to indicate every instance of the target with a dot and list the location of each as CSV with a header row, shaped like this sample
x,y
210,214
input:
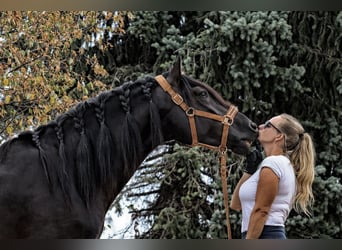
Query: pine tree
x,y
267,63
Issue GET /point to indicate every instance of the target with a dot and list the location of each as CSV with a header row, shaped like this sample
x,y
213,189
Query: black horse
x,y
59,180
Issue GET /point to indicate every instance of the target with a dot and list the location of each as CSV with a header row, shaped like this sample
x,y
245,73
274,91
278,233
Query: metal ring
x,y
227,120
223,149
190,112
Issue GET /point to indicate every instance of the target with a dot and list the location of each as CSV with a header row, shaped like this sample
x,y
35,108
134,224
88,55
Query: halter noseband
x,y
227,119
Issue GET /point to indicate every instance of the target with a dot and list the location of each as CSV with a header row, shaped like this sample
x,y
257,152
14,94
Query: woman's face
x,y
269,130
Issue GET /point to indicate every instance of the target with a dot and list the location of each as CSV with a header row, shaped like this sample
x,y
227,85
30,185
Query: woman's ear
x,y
280,137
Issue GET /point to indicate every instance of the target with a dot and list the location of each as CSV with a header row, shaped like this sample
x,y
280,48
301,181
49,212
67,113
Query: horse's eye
x,y
204,93
200,92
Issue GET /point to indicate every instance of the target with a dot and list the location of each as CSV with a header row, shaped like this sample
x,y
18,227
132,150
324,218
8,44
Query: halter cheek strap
x,y
227,120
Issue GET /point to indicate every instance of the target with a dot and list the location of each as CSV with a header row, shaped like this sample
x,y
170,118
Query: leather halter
x,y
227,120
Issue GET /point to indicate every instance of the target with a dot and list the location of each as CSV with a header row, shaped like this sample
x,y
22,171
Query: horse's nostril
x,y
253,126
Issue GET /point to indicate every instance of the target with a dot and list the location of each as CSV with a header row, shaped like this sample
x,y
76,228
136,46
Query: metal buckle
x,y
227,120
177,99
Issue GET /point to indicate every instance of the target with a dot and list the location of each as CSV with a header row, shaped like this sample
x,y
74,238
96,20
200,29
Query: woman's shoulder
x,y
276,158
276,163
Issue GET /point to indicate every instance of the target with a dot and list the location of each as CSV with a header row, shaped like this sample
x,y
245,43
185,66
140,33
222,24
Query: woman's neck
x,y
273,150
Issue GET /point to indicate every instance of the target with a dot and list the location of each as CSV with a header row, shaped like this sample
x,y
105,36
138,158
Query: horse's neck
x,y
133,121
107,138
98,145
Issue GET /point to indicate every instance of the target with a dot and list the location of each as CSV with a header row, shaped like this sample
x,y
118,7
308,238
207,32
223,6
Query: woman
x,y
268,191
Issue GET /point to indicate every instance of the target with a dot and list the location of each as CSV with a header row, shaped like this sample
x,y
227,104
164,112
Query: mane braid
x,y
155,122
130,141
104,143
85,180
42,155
63,176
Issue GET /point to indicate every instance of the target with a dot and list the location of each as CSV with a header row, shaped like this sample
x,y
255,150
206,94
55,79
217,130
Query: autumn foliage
x,y
40,55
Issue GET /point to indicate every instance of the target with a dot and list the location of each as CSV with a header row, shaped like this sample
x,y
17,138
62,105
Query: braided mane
x,y
96,143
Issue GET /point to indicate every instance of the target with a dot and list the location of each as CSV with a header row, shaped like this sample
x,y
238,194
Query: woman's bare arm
x,y
266,192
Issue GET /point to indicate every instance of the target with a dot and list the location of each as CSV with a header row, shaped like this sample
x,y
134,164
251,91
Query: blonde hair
x,y
300,148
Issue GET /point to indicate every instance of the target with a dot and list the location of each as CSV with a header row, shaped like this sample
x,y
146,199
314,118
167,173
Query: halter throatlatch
x,y
227,120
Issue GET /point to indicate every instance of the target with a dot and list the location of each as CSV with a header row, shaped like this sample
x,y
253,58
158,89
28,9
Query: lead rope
x,y
227,122
223,162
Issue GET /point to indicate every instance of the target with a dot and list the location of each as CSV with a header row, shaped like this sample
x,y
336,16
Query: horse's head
x,y
193,98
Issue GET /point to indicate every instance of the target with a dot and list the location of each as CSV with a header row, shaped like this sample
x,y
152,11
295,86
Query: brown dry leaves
x,y
37,62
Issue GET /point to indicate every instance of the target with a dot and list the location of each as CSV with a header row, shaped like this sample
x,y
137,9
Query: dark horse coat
x,y
59,180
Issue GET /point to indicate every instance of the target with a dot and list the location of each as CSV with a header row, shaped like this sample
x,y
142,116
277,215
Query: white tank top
x,y
283,201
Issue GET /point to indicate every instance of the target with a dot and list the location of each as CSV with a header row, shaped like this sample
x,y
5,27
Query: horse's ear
x,y
175,73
